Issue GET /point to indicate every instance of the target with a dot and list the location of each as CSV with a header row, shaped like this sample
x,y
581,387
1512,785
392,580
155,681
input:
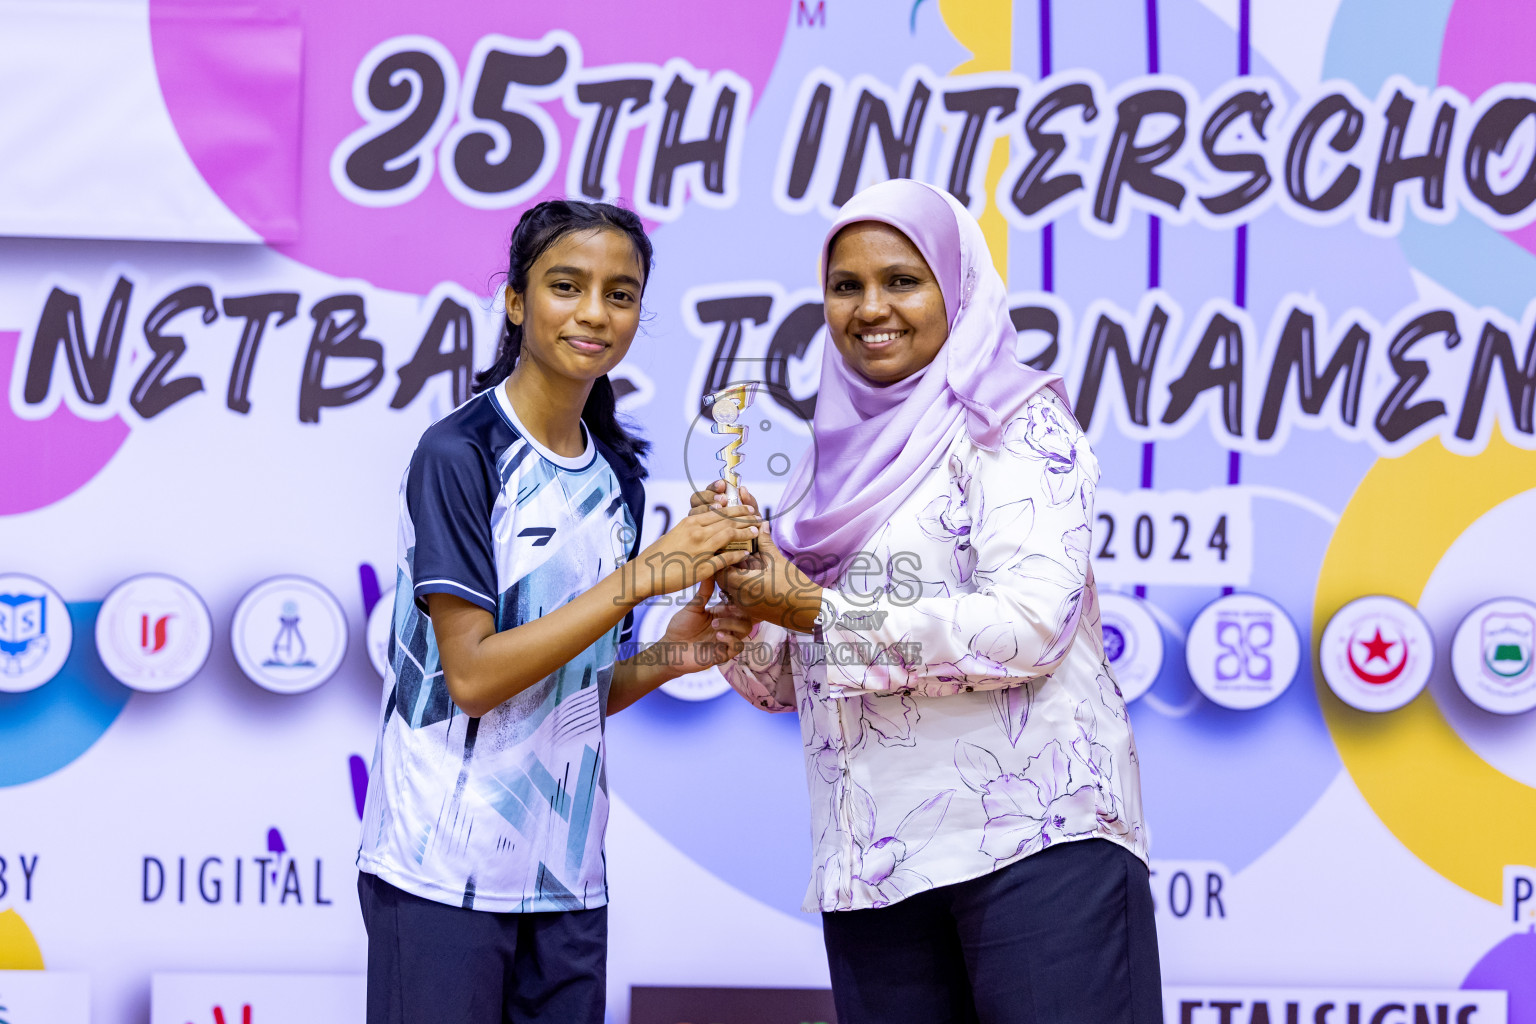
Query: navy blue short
x,y
434,963
1064,936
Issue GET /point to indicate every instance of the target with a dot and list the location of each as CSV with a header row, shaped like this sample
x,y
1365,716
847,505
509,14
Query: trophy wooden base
x,y
742,545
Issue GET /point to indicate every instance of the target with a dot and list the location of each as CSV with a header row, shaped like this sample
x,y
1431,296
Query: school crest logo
x,y
1494,656
1376,653
24,626
153,633
1243,651
1507,643
1133,643
289,634
35,633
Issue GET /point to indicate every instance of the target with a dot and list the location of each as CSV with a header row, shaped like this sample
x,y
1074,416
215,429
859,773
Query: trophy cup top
x,y
726,405
725,410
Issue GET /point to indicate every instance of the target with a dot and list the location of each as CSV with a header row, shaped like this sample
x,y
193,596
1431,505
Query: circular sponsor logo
x,y
289,634
35,633
1133,643
1376,653
694,686
380,623
153,633
1493,656
1242,651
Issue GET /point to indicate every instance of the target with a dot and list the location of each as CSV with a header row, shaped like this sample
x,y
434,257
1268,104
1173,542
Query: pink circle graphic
x,y
1486,42
432,237
51,458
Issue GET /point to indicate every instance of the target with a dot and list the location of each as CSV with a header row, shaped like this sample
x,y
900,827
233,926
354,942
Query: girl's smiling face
x,y
581,308
885,311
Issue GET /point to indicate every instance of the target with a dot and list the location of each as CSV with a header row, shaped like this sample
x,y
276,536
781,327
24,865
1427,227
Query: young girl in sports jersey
x,y
482,871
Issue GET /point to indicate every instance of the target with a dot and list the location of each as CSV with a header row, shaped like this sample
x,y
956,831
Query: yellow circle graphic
x,y
18,949
1450,808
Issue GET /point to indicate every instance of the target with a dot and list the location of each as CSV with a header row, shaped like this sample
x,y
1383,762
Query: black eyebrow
x,y
578,272
906,268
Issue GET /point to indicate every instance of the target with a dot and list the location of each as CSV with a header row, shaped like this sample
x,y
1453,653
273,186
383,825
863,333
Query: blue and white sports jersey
x,y
505,812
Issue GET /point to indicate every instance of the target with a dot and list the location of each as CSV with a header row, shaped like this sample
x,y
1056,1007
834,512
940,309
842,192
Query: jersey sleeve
x,y
449,495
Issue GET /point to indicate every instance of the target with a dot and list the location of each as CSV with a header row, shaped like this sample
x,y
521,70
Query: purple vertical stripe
x,y
358,769
1240,259
368,580
1154,240
1047,259
1242,37
1045,37
1154,229
1240,269
1047,235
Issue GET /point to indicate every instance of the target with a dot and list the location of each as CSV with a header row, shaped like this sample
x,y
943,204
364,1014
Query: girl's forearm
x,y
484,668
636,676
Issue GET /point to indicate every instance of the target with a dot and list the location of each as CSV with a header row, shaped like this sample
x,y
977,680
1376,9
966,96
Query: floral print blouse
x,y
958,713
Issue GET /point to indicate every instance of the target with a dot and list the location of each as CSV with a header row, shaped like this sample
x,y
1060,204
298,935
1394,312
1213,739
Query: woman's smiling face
x,y
885,311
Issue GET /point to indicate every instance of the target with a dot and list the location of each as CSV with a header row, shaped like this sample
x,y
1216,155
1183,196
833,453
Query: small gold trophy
x,y
725,408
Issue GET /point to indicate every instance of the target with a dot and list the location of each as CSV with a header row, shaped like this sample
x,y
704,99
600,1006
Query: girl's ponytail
x,y
507,350
601,417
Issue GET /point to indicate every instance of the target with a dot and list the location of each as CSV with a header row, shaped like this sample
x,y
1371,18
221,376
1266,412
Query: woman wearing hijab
x,y
976,809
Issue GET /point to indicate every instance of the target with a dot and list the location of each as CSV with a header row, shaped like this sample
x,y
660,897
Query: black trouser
x,y
1064,936
433,963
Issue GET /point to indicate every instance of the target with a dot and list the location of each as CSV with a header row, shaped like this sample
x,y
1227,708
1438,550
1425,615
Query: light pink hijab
x,y
873,444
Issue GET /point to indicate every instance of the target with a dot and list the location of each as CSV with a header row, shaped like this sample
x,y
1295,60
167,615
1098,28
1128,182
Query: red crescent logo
x,y
1373,678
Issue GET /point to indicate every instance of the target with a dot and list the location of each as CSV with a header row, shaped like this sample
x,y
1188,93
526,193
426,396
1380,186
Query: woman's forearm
x,y
937,646
762,673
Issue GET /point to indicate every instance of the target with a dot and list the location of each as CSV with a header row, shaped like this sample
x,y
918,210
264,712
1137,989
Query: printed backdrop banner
x,y
1282,253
